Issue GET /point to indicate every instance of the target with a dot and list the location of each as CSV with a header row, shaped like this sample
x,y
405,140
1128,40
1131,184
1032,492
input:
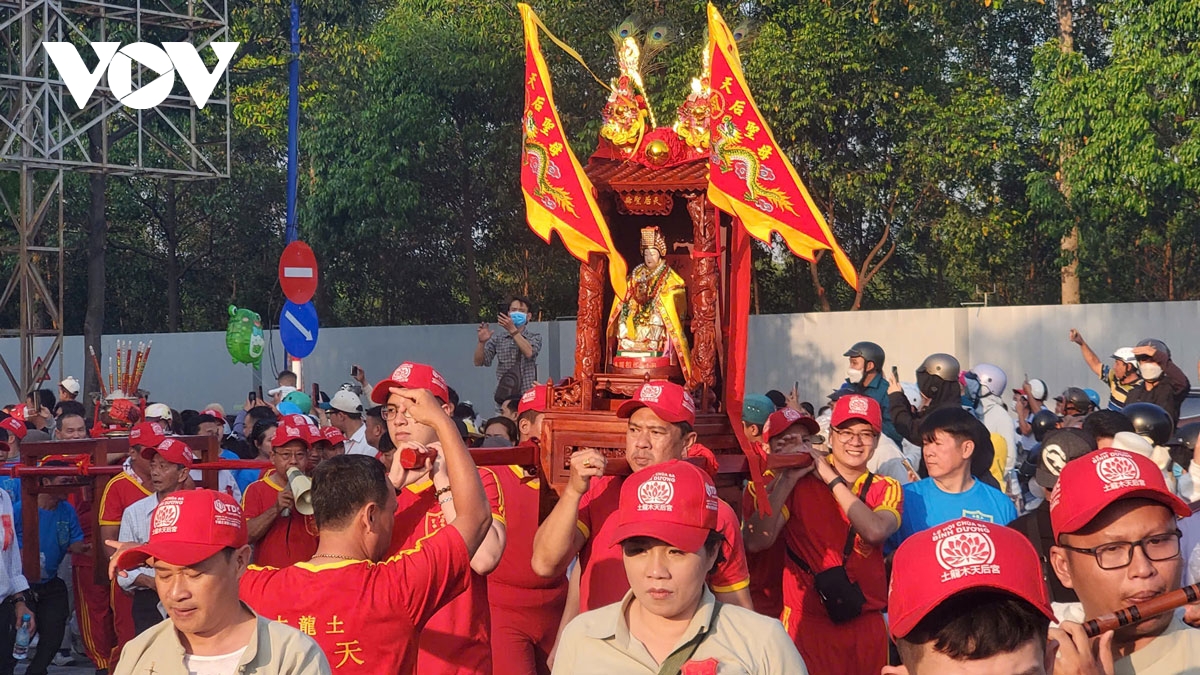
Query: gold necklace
x,y
334,555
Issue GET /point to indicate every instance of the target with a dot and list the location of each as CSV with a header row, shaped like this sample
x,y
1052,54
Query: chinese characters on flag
x,y
558,195
749,177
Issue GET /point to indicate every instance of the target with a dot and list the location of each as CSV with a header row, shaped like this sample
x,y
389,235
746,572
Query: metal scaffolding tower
x,y
44,134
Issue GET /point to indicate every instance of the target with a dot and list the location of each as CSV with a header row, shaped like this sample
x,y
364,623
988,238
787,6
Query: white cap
x,y
347,402
281,391
158,411
70,384
1131,442
1125,354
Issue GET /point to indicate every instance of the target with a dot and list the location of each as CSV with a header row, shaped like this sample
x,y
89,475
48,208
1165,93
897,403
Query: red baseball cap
x,y
296,428
411,375
537,398
174,451
857,407
15,427
783,419
963,555
147,434
333,435
668,400
675,502
1098,479
188,527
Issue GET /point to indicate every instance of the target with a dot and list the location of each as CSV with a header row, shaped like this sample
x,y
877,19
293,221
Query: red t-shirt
x,y
766,567
604,581
121,492
289,540
816,530
456,639
513,583
365,616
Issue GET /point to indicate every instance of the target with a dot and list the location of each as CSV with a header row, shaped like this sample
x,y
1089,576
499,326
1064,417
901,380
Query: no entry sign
x,y
298,272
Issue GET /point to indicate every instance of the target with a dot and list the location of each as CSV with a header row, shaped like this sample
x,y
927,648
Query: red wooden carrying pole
x,y
23,471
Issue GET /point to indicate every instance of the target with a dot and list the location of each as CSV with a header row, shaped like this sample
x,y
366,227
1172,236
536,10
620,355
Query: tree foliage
x,y
930,132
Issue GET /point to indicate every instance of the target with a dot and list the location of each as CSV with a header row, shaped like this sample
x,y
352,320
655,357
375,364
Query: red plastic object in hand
x,y
414,457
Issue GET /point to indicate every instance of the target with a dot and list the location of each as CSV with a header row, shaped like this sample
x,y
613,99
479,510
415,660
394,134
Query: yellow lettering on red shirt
x,y
308,625
348,651
335,626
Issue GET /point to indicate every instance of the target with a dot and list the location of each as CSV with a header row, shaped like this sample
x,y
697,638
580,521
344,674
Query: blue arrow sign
x,y
298,328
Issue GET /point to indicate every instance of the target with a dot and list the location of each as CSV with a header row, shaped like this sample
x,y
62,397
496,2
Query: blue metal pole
x,y
293,124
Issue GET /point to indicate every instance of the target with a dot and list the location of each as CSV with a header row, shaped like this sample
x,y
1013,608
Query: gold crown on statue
x,y
652,238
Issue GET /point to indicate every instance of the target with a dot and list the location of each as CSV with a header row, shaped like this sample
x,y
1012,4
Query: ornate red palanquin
x,y
581,410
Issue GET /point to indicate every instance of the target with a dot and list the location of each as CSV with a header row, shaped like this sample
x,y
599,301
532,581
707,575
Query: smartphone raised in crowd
x,y
896,373
502,309
253,396
354,371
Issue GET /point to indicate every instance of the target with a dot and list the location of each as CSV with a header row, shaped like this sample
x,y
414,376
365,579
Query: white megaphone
x,y
301,487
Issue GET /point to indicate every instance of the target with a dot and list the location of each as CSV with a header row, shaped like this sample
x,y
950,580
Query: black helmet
x,y
1183,444
942,366
1076,398
869,351
1043,421
1150,421
1159,346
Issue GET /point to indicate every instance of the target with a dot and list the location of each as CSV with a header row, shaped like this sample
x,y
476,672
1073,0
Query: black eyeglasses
x,y
1118,554
390,412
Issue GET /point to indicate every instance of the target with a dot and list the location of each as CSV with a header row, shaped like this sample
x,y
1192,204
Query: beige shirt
x,y
741,642
1175,652
274,649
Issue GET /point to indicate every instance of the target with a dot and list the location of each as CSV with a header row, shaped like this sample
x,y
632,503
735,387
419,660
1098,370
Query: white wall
x,y
189,370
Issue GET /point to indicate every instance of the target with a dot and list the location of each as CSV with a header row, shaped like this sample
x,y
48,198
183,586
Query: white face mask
x,y
855,376
1150,370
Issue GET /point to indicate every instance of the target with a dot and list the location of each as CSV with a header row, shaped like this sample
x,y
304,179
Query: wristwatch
x,y
834,483
20,597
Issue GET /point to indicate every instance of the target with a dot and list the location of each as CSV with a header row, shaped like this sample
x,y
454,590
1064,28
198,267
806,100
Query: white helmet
x,y
992,380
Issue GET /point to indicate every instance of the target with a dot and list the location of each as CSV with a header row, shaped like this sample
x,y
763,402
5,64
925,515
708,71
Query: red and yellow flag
x,y
749,177
558,195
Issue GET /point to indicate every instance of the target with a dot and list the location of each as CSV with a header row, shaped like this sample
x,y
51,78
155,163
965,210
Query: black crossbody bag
x,y
842,598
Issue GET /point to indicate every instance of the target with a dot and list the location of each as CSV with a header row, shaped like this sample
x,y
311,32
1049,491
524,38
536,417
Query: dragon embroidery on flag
x,y
729,155
537,156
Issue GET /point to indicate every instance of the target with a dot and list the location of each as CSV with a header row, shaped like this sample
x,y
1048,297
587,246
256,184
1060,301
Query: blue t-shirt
x,y
57,530
13,487
926,506
243,477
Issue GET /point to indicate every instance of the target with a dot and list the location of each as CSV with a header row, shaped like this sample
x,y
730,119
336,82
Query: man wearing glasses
x,y
456,639
169,461
1116,525
281,535
950,438
834,516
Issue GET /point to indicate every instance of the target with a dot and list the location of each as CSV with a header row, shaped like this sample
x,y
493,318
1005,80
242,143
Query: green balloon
x,y
244,336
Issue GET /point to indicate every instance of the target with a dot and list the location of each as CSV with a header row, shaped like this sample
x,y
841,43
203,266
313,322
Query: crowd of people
x,y
951,525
